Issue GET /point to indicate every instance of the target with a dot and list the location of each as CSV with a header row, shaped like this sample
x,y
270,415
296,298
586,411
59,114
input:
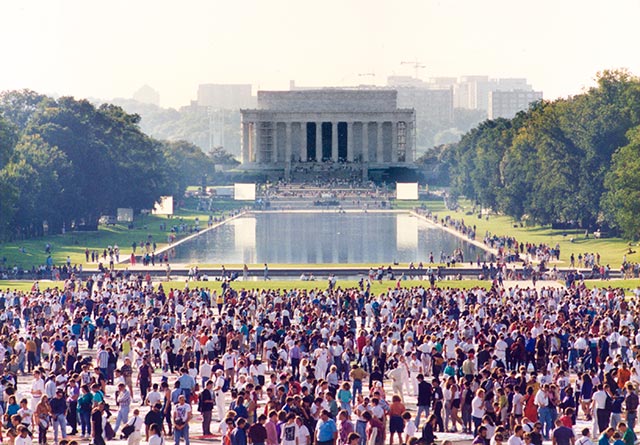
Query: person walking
x,y
601,403
135,437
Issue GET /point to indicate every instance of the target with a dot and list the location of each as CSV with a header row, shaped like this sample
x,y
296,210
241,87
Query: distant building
x,y
430,104
225,96
335,127
508,103
147,95
474,93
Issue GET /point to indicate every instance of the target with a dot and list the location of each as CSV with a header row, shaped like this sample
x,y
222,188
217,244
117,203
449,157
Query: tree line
x,y
65,162
571,161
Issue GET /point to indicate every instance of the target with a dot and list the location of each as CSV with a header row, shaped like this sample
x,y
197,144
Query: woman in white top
x,y
477,409
136,421
155,438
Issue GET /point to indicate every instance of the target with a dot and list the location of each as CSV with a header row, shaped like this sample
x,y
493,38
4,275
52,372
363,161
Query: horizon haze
x,y
109,50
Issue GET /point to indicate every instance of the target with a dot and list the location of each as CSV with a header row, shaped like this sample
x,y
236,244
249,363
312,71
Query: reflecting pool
x,y
323,237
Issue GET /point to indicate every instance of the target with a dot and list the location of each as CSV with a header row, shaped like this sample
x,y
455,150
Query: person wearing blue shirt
x,y
239,433
326,429
186,383
606,436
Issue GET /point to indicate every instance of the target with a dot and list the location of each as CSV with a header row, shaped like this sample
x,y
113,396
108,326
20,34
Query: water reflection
x,y
310,238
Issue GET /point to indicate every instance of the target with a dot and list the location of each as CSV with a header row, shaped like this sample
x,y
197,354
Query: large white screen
x,y
244,192
164,207
407,190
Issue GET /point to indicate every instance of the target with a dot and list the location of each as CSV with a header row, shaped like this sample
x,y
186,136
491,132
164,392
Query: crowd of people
x,y
330,366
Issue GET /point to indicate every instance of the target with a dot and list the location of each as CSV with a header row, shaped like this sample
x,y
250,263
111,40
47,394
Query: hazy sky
x,y
106,49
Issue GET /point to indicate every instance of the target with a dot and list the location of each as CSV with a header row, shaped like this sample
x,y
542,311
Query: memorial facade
x,y
331,126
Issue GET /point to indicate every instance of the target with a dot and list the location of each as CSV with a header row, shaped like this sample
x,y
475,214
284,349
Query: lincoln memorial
x,y
361,128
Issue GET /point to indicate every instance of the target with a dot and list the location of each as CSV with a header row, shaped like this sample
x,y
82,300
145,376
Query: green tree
x,y
8,139
622,199
188,163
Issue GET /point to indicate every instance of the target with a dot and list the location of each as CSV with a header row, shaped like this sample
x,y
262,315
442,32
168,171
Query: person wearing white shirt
x,y
450,345
136,421
205,372
501,349
599,403
516,437
584,439
153,396
23,437
156,438
545,414
37,389
477,409
220,398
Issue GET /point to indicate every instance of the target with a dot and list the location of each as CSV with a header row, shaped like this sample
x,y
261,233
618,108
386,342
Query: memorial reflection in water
x,y
311,238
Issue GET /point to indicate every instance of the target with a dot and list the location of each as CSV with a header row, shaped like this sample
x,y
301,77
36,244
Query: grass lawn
x,y
322,284
27,284
627,285
611,249
74,244
276,266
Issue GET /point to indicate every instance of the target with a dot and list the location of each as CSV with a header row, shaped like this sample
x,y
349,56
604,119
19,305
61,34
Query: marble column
x,y
303,138
365,142
245,143
334,141
394,142
350,141
408,146
258,149
318,141
288,148
274,143
379,146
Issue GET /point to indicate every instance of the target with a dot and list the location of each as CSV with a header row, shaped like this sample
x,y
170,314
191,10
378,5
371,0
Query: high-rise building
x,y
474,93
508,103
432,101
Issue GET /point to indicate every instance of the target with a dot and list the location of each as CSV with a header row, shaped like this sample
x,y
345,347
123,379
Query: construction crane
x,y
416,66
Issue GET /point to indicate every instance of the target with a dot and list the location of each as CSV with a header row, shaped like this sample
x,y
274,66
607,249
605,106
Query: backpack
x,y
108,431
226,385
